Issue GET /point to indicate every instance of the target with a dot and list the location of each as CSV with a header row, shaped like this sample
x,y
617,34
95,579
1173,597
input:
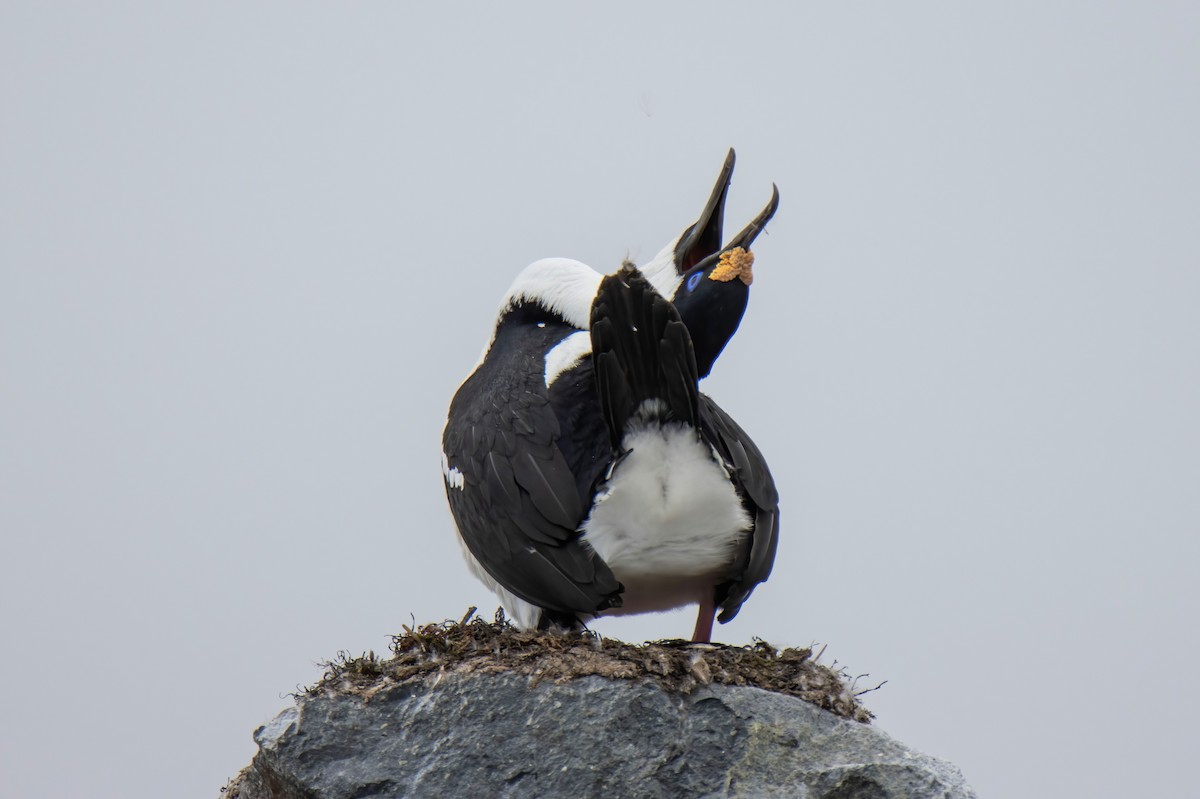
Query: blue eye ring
x,y
694,281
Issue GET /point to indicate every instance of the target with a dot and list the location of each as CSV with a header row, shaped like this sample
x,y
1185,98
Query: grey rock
x,y
501,736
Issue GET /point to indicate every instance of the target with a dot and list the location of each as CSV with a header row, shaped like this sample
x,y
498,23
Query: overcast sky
x,y
249,250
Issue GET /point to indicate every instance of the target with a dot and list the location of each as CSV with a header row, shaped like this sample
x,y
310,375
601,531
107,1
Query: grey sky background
x,y
249,250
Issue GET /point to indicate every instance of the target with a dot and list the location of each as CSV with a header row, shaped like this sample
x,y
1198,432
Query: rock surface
x,y
507,735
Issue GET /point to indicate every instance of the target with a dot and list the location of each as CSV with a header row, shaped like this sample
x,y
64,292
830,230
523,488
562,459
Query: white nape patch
x,y
454,478
660,270
560,285
520,612
566,354
669,522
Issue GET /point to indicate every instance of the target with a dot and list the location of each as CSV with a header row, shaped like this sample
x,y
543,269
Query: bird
x,y
712,317
586,473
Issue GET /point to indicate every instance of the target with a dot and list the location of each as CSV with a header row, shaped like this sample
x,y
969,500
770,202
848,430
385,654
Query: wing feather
x,y
754,482
518,507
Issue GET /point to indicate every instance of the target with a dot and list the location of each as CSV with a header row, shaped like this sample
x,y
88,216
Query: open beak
x,y
750,232
742,241
703,238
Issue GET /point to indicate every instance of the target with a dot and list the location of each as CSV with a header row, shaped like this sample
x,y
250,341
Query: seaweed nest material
x,y
475,646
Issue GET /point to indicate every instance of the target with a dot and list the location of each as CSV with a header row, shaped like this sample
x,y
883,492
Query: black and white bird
x,y
585,471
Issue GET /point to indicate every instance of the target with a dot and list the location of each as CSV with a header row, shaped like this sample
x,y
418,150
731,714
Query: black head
x,y
712,295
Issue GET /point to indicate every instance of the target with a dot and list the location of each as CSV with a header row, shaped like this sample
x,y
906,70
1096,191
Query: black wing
x,y
757,488
518,507
641,351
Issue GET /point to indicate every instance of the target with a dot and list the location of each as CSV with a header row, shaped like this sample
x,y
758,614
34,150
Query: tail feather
x,y
642,353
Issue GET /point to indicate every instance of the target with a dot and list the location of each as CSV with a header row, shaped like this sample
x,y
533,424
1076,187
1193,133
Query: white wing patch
x,y
454,478
566,354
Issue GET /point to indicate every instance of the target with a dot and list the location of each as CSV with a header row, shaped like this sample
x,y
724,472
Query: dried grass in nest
x,y
472,645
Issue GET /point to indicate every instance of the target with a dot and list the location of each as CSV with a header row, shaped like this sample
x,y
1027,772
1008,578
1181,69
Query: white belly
x,y
669,523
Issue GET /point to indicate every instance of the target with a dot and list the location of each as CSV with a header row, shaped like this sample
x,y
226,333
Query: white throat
x,y
660,270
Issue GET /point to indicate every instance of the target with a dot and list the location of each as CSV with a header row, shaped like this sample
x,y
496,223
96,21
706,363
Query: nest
x,y
472,645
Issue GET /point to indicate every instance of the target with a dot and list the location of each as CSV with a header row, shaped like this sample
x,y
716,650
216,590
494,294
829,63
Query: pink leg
x,y
704,620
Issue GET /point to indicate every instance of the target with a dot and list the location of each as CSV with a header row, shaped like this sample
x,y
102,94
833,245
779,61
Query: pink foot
x,y
704,620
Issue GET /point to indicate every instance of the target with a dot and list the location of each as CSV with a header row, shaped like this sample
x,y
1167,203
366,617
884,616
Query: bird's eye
x,y
541,324
694,281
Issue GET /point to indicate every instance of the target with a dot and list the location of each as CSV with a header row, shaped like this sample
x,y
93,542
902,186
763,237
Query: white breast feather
x,y
670,521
